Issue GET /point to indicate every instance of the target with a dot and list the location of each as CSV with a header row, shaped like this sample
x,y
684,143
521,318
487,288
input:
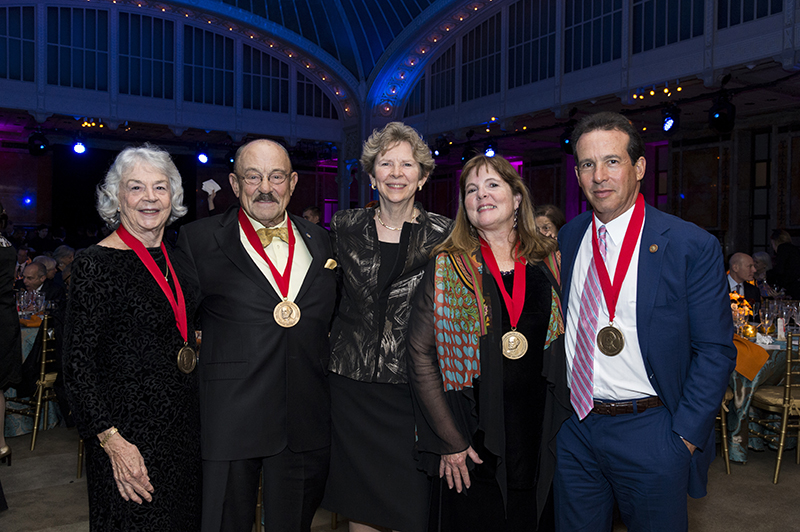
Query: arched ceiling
x,y
354,32
375,48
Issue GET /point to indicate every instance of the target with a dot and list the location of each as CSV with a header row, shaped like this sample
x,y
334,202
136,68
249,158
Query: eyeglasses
x,y
255,179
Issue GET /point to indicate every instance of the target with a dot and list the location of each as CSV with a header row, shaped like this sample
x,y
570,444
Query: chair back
x,y
792,377
46,370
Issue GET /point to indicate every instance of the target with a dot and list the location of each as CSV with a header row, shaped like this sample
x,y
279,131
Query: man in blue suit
x,y
649,341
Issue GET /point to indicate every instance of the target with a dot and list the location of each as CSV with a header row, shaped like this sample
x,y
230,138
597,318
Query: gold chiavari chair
x,y
44,393
723,427
784,400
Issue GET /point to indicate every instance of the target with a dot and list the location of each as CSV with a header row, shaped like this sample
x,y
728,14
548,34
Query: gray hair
x,y
48,262
62,252
391,135
764,258
128,159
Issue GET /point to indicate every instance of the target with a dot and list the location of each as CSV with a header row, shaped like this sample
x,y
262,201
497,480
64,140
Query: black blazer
x,y
262,387
368,338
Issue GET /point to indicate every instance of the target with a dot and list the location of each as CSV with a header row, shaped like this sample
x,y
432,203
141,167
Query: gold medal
x,y
515,345
286,313
610,341
187,359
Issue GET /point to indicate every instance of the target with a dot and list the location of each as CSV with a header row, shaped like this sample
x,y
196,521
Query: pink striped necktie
x,y
582,383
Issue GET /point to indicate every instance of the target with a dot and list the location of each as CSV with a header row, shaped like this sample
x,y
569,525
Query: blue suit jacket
x,y
685,329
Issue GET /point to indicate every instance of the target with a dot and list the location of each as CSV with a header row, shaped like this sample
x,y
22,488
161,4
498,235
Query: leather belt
x,y
636,406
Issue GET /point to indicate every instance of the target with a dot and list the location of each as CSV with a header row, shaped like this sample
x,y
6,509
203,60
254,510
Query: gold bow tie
x,y
266,235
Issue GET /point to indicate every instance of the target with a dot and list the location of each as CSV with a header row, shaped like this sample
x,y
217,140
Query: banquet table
x,y
771,373
17,424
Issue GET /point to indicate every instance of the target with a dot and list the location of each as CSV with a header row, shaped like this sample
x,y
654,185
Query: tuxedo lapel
x,y
316,247
651,260
227,237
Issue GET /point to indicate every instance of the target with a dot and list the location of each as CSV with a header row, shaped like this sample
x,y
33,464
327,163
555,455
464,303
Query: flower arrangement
x,y
741,309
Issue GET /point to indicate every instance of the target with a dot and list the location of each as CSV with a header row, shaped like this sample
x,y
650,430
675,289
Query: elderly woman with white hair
x,y
129,355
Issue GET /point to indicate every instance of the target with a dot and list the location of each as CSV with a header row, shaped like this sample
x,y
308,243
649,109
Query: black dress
x,y
10,346
120,365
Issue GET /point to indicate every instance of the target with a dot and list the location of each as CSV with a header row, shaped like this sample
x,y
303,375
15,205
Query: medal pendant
x,y
187,359
515,345
610,341
286,314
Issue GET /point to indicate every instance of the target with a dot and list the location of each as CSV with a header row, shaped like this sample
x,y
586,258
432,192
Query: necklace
x,y
378,213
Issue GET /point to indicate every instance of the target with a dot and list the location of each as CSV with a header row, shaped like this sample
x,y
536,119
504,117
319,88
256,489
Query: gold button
x,y
653,248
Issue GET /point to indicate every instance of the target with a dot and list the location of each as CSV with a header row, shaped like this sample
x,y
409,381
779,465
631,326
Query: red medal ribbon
x,y
513,304
281,280
179,306
611,292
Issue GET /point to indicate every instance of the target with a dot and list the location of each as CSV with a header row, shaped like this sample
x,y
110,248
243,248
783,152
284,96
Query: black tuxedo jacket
x,y
262,387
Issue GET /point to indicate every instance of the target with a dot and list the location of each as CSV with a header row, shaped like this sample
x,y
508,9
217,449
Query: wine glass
x,y
766,316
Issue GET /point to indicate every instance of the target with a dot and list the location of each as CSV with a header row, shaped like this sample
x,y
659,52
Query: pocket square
x,y
330,264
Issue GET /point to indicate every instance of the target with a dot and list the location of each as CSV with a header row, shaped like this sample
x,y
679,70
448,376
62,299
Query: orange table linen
x,y
750,357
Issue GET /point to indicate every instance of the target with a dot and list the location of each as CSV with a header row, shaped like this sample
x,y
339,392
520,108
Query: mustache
x,y
265,196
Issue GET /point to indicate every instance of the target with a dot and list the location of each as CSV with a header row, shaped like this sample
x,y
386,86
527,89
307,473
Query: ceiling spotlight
x,y
671,120
202,153
722,114
79,147
441,147
38,144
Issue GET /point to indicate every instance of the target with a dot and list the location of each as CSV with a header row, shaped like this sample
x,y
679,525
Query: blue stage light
x,y
79,147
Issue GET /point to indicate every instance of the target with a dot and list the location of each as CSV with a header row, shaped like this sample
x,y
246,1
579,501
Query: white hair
x,y
128,159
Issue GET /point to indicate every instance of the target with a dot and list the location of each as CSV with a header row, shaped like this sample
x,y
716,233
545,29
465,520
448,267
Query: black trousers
x,y
293,487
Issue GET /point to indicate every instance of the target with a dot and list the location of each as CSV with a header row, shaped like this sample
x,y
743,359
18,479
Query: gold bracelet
x,y
111,432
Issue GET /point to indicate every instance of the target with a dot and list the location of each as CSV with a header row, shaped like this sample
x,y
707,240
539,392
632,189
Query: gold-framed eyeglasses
x,y
255,179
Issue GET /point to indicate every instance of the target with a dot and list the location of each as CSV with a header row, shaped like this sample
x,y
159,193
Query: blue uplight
x,y
27,200
79,147
202,157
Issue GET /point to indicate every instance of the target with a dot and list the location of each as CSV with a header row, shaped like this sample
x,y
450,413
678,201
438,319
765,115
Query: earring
x,y
373,187
419,188
515,217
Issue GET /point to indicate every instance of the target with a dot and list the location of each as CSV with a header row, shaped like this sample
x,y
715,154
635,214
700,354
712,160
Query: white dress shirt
x,y
622,377
278,253
733,286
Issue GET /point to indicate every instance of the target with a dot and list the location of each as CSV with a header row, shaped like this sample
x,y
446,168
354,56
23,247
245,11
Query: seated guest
x,y
785,272
740,279
549,219
49,263
763,263
63,255
312,214
22,260
34,279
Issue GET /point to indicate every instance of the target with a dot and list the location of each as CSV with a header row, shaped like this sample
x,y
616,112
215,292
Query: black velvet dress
x,y
120,365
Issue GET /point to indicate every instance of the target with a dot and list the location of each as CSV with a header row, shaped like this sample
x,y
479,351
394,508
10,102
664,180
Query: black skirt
x,y
373,476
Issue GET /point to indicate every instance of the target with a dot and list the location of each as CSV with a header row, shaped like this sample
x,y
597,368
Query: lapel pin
x,y
653,248
308,235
